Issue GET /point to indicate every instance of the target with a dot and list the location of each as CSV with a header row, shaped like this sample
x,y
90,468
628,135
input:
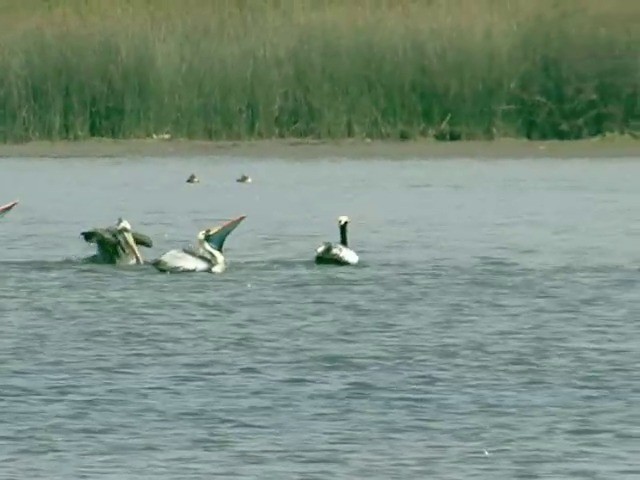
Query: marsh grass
x,y
234,69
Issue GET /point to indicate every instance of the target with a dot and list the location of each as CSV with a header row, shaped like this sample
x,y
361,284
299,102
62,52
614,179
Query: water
x,y
491,331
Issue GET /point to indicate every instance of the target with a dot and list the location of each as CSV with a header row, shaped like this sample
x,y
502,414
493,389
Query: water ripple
x,y
490,331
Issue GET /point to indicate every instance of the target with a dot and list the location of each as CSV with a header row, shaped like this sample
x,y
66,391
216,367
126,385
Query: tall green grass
x,y
245,69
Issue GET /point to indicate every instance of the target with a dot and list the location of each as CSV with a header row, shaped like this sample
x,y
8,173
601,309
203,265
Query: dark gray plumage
x,y
117,245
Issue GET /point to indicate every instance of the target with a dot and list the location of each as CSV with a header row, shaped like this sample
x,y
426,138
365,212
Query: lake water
x,y
492,329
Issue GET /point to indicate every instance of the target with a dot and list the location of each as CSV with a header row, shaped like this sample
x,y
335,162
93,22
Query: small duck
x,y
244,179
193,179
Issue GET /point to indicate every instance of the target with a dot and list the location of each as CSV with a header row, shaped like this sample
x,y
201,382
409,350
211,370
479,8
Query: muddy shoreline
x,y
309,149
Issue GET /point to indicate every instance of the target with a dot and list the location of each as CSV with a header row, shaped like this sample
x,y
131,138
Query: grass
x,y
244,69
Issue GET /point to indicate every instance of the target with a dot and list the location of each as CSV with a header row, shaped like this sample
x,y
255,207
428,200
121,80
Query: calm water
x,y
491,331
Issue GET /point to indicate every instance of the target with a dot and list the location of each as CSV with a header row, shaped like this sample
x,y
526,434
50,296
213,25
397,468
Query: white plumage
x,y
338,254
187,261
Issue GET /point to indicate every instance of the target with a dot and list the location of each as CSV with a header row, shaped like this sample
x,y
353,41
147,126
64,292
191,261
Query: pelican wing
x,y
106,245
107,235
142,239
181,261
219,235
4,209
99,235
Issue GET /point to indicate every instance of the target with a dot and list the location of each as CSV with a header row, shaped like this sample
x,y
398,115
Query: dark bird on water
x,y
117,244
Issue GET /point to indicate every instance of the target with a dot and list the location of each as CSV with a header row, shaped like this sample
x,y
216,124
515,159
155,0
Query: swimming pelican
x,y
4,209
208,255
244,179
117,245
339,254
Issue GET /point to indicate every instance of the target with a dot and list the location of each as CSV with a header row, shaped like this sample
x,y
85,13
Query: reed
x,y
244,69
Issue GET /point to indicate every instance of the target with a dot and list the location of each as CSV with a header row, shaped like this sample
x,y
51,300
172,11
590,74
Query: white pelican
x,y
339,254
207,257
4,209
117,245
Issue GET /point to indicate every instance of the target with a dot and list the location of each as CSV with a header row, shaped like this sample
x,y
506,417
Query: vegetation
x,y
247,69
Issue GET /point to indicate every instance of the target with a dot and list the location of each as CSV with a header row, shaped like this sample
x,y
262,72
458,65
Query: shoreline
x,y
600,147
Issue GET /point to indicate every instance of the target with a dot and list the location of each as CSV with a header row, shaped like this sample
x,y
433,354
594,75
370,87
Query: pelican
x,y
339,254
207,257
118,244
4,209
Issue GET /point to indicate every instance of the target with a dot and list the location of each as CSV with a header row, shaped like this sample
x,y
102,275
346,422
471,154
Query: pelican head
x,y
205,242
215,236
211,240
211,250
207,236
123,225
204,234
123,229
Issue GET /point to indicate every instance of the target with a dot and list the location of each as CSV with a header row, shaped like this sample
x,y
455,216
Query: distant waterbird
x,y
206,257
118,244
243,179
193,179
337,254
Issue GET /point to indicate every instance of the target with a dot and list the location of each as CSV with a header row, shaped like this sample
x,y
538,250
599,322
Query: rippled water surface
x,y
491,331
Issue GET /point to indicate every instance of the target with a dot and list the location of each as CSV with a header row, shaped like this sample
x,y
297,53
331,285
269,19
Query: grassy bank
x,y
244,69
618,147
